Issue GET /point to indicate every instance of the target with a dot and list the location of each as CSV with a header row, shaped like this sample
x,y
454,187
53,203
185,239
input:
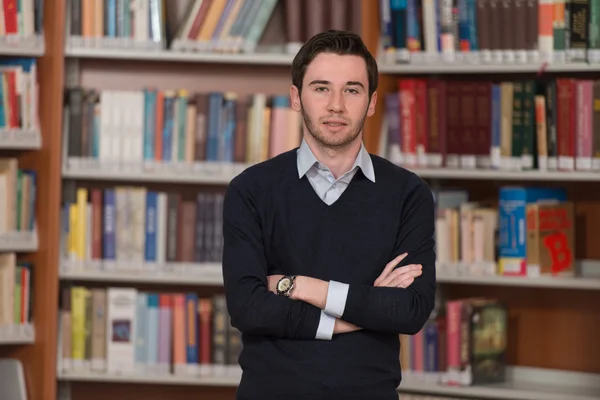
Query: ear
x,y
295,99
372,104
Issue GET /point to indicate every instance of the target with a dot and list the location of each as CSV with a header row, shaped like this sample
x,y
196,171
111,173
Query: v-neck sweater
x,y
274,223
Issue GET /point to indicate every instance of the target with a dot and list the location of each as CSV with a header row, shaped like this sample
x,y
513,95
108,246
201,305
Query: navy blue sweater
x,y
274,222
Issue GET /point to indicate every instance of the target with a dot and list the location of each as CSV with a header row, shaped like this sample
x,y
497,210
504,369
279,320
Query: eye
x,y
353,91
320,89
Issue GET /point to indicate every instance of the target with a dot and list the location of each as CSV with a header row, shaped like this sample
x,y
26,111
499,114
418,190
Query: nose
x,y
336,102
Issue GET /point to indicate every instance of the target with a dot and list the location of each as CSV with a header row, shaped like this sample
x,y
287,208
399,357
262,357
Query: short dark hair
x,y
336,42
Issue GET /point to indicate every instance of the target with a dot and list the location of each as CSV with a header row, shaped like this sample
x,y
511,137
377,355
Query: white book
x,y
126,128
137,109
141,10
161,228
137,197
28,18
120,329
107,98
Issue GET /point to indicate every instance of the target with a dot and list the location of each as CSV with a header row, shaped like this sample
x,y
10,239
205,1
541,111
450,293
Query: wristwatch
x,y
285,285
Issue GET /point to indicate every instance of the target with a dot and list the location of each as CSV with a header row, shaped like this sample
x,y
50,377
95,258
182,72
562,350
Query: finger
x,y
390,267
404,270
405,283
399,271
405,280
398,280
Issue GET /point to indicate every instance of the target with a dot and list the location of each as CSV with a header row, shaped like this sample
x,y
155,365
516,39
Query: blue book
x,y
215,125
141,342
169,125
109,219
149,123
512,226
152,329
151,226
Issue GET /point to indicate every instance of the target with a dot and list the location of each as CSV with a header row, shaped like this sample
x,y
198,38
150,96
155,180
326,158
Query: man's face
x,y
335,98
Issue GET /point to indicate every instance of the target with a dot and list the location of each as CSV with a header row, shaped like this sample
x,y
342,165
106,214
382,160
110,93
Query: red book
x,y
10,16
565,123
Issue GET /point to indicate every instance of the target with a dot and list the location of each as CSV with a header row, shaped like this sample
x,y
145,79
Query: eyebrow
x,y
349,83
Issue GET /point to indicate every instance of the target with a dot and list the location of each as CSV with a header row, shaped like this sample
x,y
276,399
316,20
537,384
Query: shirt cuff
x,y
336,298
326,326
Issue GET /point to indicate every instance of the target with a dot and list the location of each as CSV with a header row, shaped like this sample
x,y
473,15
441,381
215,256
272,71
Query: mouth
x,y
334,123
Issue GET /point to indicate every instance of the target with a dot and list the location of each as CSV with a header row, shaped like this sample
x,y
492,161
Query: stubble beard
x,y
336,142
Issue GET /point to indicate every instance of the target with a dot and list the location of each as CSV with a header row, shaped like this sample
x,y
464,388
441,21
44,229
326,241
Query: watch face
x,y
284,284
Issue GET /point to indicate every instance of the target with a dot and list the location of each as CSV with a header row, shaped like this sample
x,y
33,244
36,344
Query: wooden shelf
x,y
448,68
20,139
17,334
163,55
482,174
200,173
25,47
542,385
575,283
214,380
209,274
24,241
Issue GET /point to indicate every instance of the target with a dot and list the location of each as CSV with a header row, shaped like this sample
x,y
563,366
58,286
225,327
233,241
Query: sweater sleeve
x,y
399,310
252,307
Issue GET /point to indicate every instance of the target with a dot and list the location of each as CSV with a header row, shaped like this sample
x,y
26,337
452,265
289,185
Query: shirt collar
x,y
306,159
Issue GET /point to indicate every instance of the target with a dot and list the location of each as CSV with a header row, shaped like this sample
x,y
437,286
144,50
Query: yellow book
x,y
82,197
72,239
213,16
78,327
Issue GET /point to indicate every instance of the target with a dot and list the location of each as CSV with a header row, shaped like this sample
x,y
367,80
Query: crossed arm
x,y
315,291
400,301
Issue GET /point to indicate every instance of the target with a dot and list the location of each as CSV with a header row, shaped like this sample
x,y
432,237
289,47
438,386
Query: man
x,y
313,241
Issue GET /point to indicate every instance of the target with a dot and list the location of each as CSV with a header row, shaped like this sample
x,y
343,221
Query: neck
x,y
338,159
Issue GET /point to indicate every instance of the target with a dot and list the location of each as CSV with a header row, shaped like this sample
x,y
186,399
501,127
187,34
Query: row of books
x,y
529,231
136,225
222,26
231,26
141,21
510,125
19,93
131,129
127,331
21,19
15,290
542,30
464,343
17,197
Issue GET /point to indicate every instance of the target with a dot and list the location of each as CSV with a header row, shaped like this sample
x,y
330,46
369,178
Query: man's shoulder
x,y
266,173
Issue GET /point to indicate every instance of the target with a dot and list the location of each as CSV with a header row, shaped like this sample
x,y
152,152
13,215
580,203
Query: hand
x,y
401,277
273,279
342,326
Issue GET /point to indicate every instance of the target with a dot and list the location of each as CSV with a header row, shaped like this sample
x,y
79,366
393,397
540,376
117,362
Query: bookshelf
x,y
547,359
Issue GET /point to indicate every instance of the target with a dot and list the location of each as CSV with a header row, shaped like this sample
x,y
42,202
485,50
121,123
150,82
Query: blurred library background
x,y
123,121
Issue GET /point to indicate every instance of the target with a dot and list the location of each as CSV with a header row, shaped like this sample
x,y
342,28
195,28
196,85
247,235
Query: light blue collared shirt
x,y
329,190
